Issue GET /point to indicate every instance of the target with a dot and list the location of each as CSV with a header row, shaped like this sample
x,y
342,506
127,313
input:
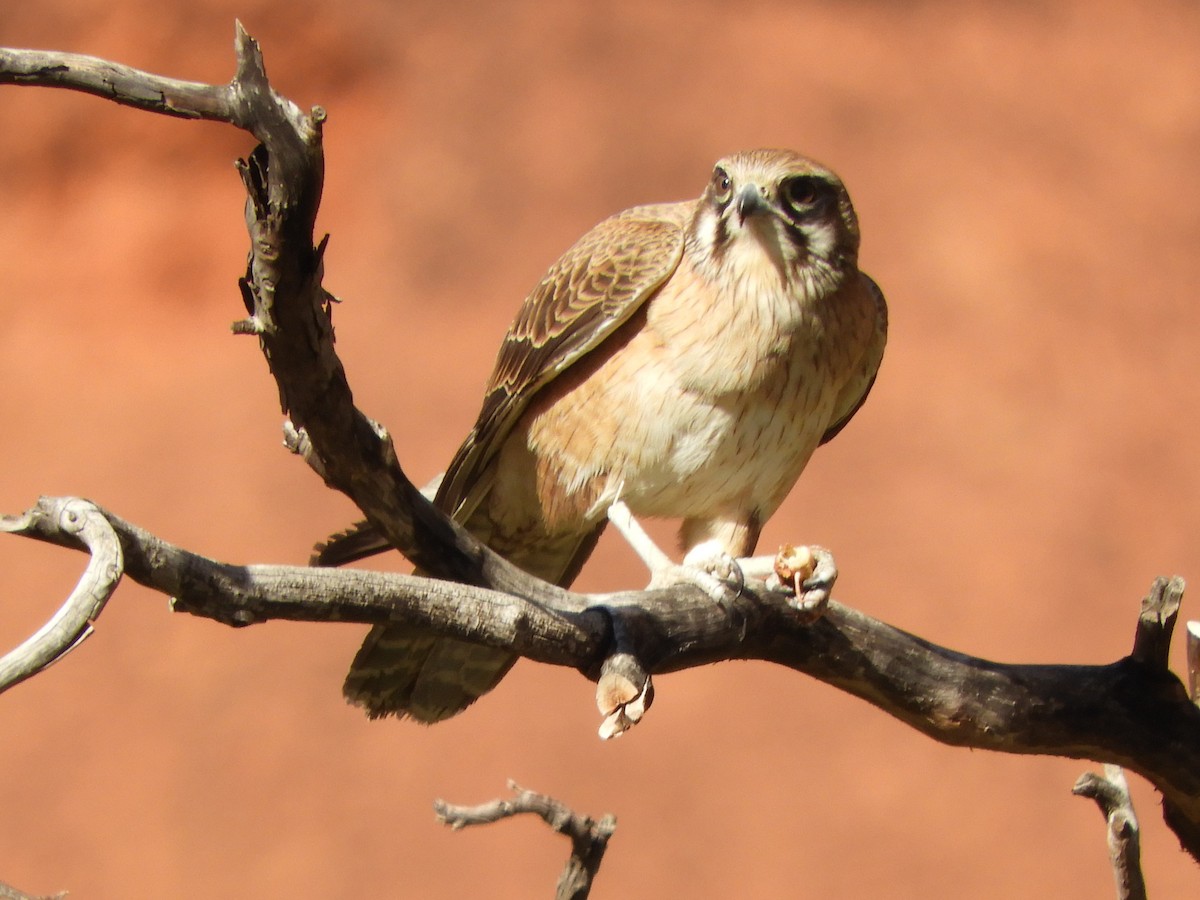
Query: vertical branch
x,y
1111,793
1160,609
1193,660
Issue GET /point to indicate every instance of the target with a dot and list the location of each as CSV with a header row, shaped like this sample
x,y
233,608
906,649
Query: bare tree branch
x,y
121,84
8,892
1192,637
72,624
289,309
245,595
1111,793
1129,712
1133,712
589,838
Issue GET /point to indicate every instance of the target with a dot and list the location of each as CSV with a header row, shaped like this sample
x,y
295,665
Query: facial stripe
x,y
720,234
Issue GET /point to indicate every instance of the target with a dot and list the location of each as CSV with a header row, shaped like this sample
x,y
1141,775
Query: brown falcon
x,y
685,358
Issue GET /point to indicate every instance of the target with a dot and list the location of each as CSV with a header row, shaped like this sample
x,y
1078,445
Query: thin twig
x,y
8,892
1111,793
1160,608
589,837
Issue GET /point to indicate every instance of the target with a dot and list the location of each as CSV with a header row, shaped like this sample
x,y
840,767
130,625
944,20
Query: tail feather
x,y
360,540
357,542
403,672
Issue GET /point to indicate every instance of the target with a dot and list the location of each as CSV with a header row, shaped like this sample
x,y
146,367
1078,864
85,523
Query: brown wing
x,y
593,288
856,392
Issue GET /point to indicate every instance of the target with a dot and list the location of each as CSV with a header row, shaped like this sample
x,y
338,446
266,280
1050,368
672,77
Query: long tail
x,y
404,671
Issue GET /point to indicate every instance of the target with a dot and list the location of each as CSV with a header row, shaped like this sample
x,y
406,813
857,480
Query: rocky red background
x,y
1027,180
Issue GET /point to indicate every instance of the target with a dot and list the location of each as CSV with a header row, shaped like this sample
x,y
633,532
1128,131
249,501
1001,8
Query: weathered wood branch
x,y
289,309
72,624
1192,639
8,892
245,595
589,838
133,87
1110,791
1133,712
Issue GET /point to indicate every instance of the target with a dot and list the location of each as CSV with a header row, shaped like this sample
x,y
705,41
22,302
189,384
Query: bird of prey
x,y
684,358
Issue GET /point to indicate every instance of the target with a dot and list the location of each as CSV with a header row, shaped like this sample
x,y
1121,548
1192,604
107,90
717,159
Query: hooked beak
x,y
749,202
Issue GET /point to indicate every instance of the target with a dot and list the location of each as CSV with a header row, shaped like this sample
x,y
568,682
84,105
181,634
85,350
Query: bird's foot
x,y
706,566
809,573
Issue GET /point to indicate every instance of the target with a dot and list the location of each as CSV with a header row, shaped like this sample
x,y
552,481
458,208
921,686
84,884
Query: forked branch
x,y
589,838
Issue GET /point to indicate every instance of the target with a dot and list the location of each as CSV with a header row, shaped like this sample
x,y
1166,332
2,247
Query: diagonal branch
x,y
289,309
121,84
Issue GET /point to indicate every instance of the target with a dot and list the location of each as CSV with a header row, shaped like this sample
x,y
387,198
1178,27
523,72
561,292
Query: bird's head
x,y
775,208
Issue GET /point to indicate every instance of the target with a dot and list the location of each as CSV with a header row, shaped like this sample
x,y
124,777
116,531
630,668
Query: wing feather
x,y
857,392
582,300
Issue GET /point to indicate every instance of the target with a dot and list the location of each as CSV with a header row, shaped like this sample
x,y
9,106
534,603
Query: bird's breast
x,y
732,334
714,401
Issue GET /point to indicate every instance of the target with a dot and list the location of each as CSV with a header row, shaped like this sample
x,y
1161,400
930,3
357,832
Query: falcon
x,y
685,359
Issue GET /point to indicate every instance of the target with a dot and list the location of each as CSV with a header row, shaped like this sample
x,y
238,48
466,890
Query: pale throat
x,y
740,305
769,285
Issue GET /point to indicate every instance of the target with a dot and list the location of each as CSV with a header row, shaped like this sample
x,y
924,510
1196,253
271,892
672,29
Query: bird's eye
x,y
722,186
802,193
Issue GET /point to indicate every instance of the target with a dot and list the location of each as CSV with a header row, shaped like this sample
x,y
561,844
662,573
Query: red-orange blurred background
x,y
1027,180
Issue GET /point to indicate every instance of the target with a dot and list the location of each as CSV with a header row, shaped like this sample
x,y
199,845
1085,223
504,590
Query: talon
x,y
711,558
707,565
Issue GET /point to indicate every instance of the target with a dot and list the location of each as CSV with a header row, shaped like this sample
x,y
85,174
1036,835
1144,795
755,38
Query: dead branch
x,y
1111,793
8,892
1192,637
72,624
289,309
1133,712
589,838
245,595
